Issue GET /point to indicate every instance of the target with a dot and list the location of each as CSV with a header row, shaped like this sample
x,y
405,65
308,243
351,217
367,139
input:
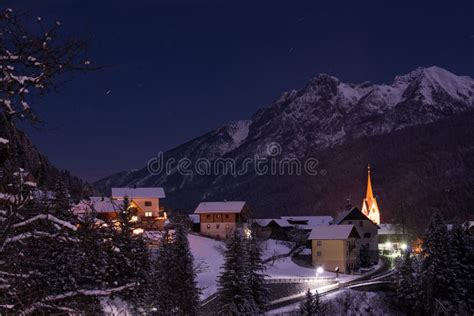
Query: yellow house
x,y
334,246
220,219
145,201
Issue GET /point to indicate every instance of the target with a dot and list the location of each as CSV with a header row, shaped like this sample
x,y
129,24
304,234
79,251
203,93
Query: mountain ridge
x,y
324,114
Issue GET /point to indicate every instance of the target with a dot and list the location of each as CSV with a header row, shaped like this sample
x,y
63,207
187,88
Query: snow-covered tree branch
x,y
33,60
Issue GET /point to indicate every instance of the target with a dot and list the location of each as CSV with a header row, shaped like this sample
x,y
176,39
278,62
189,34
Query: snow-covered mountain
x,y
322,116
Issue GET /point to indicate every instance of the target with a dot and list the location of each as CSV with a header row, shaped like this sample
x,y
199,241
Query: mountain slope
x,y
327,119
30,159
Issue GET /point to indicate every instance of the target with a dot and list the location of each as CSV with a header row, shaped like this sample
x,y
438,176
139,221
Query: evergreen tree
x,y
61,203
462,261
256,273
408,287
160,287
235,296
134,260
184,274
312,305
437,274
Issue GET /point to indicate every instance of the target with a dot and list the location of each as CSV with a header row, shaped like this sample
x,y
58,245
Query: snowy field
x,y
208,255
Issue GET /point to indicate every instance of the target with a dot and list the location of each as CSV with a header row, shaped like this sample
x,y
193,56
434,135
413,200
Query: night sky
x,y
177,69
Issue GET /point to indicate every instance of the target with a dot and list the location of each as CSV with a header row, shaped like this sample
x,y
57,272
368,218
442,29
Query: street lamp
x,y
404,246
319,270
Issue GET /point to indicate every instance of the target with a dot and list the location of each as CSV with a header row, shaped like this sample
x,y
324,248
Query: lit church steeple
x,y
369,205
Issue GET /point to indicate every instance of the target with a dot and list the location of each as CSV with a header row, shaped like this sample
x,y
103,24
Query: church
x,y
370,207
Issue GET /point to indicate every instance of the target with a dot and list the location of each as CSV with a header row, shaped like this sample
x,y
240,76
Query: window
x,y
367,235
227,226
208,216
208,226
319,254
217,226
227,216
361,223
218,216
349,222
148,214
319,243
148,203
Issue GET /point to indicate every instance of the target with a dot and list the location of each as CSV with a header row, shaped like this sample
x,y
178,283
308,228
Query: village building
x,y
278,228
367,229
334,247
391,238
144,202
370,207
275,228
221,219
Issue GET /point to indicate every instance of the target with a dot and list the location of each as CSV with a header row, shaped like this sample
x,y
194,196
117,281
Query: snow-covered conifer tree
x,y
234,292
408,287
256,273
462,260
437,273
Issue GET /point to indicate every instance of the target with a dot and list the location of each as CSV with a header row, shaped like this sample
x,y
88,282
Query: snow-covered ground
x,y
208,255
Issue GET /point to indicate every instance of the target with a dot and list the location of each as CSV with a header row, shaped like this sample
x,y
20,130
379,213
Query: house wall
x,y
334,253
218,218
219,230
366,227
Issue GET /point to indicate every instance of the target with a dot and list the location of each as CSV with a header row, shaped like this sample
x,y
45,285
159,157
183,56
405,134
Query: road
x,y
378,277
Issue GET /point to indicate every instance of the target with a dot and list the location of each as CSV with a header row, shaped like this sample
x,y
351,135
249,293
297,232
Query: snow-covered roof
x,y
262,221
98,204
311,221
387,229
194,218
333,232
220,207
152,192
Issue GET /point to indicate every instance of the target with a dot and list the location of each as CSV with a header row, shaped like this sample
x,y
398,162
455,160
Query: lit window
x,y
319,254
218,216
148,214
148,203
208,226
319,242
227,226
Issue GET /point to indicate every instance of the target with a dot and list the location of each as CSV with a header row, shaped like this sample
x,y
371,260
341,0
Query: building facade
x,y
334,247
221,219
144,202
367,229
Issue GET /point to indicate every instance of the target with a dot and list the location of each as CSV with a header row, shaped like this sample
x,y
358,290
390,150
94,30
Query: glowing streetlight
x,y
404,246
319,270
388,245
